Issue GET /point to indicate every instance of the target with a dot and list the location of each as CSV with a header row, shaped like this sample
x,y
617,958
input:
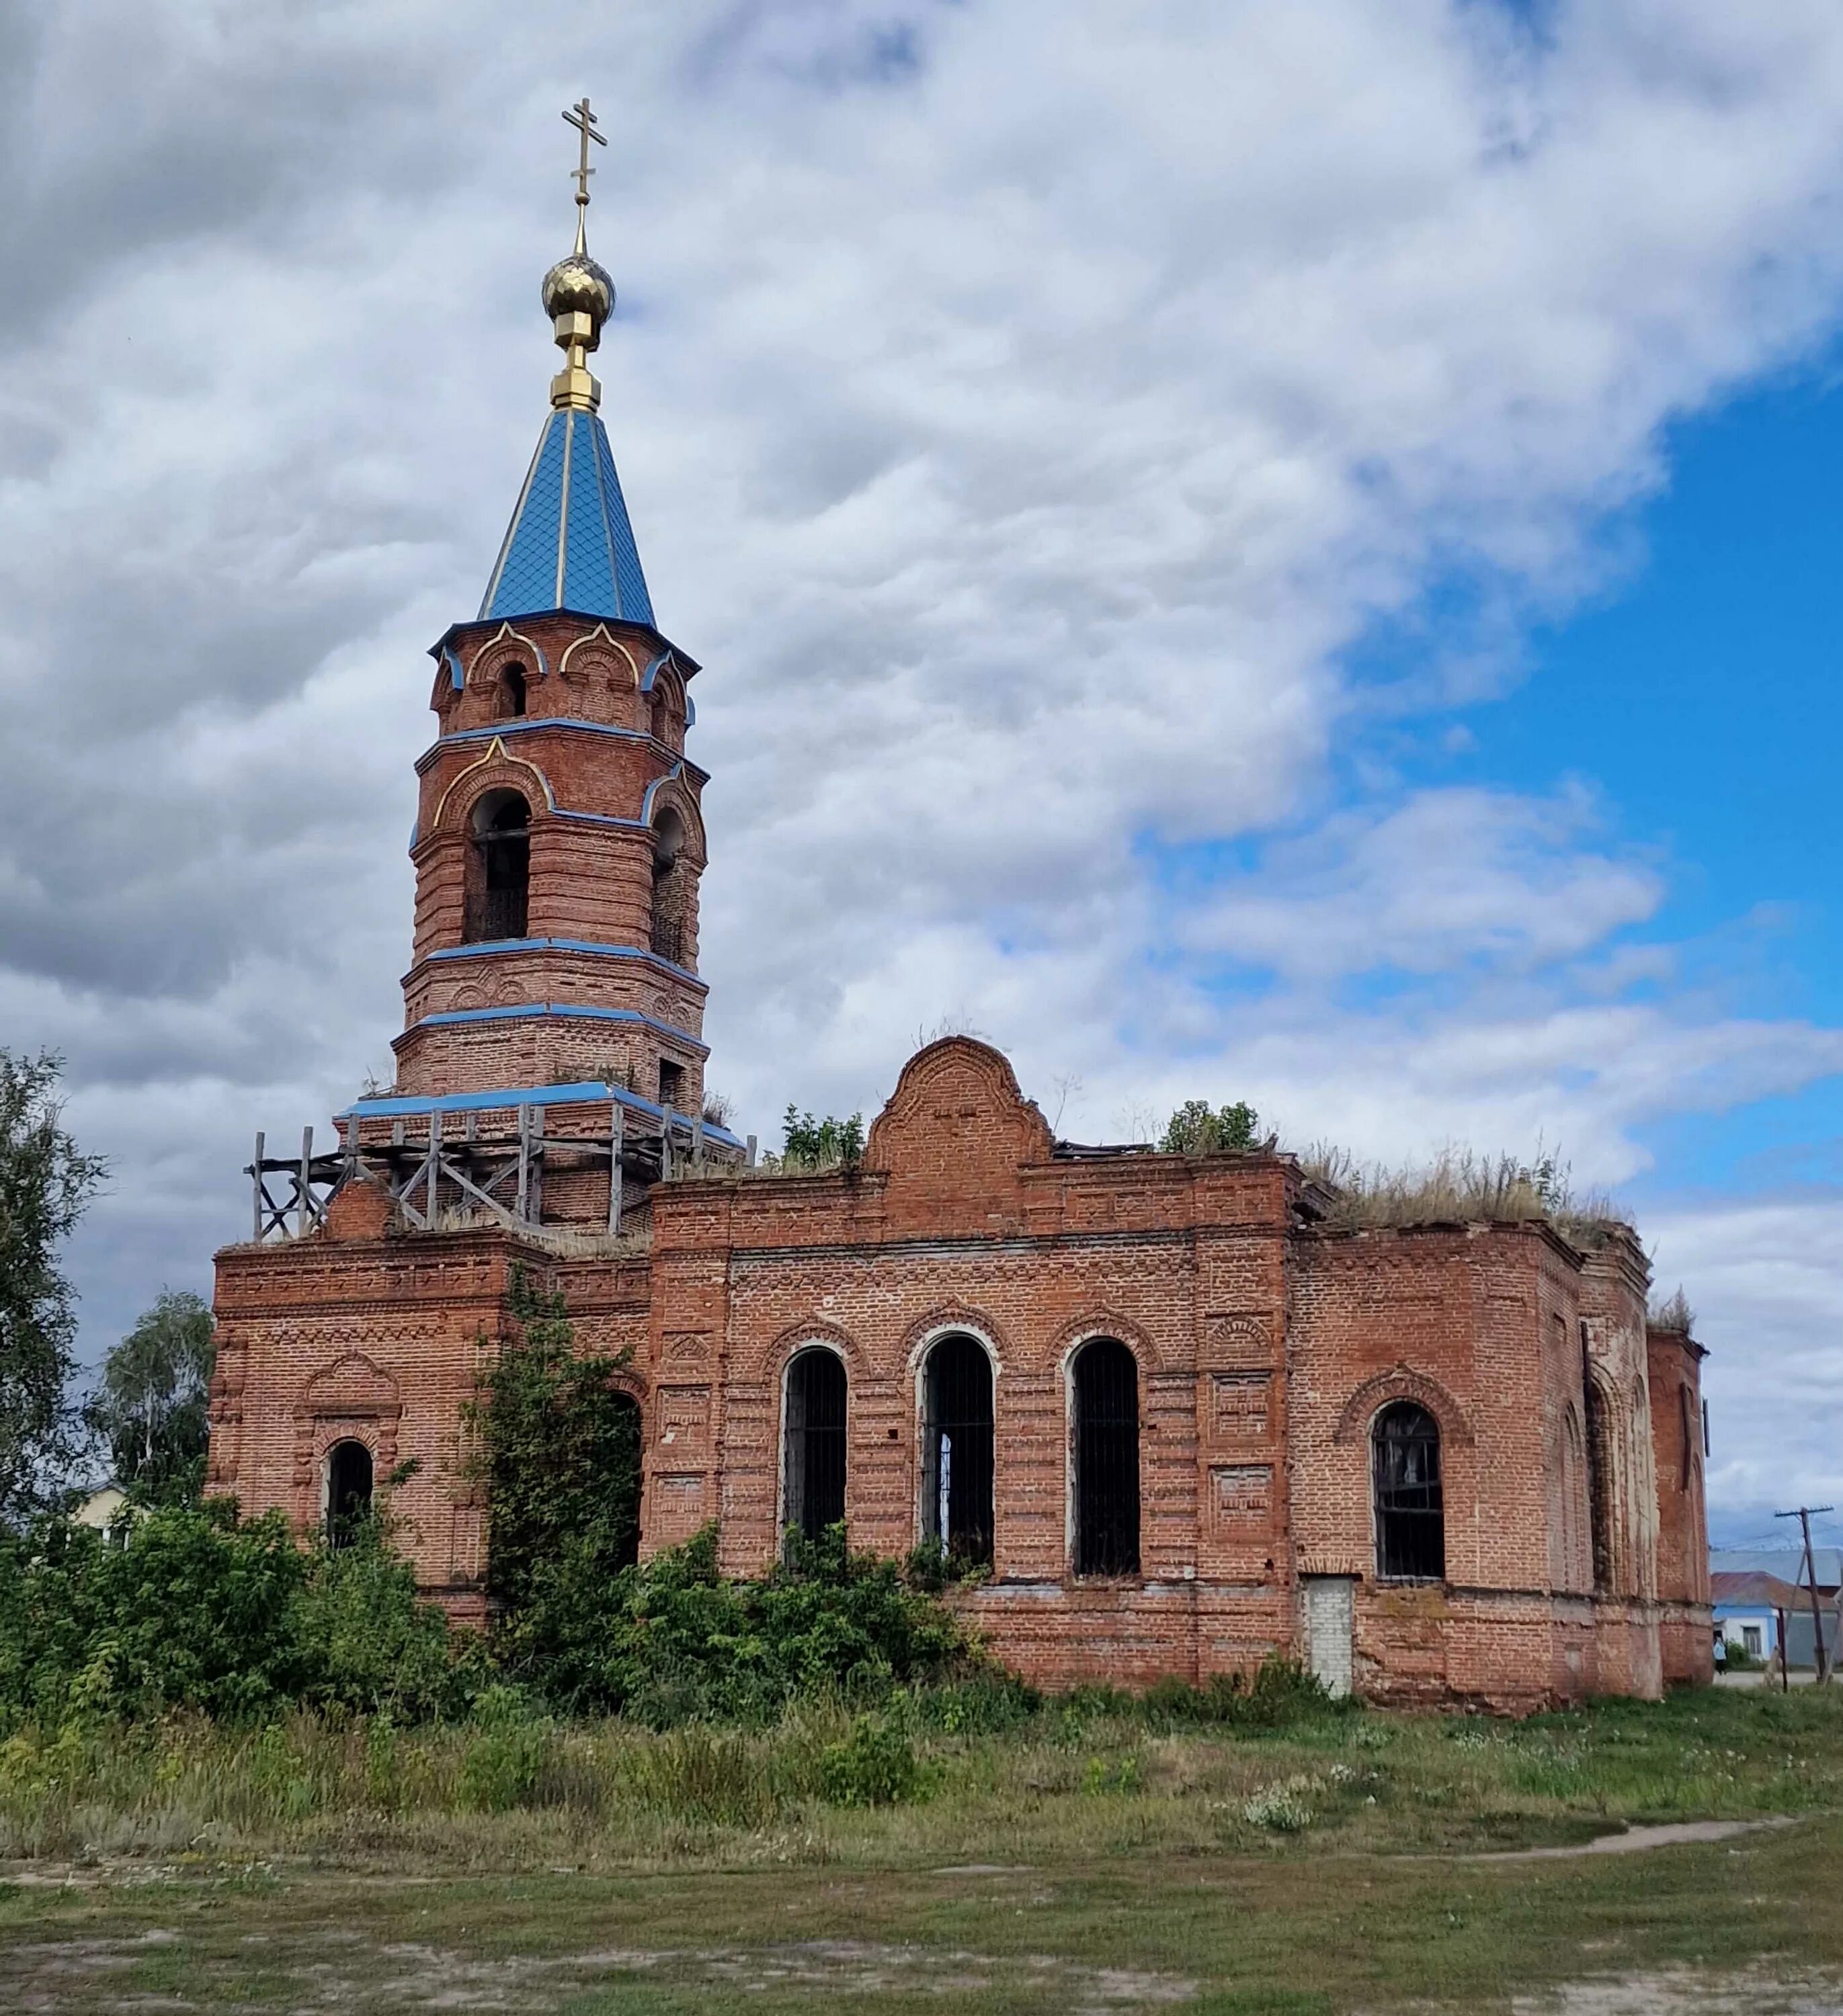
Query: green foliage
x,y
809,1145
45,1184
673,1640
589,1631
505,1754
874,1765
149,1404
559,1451
234,1620
1280,1693
1196,1129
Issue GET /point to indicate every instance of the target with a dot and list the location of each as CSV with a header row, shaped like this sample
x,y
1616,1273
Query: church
x,y
1163,1414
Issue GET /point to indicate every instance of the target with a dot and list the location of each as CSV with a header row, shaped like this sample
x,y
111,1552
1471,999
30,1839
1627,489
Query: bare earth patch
x,y
345,1974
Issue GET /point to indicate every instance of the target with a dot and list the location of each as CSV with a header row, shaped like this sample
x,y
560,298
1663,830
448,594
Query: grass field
x,y
1088,1860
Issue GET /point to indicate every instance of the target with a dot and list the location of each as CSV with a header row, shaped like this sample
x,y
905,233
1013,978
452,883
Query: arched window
x,y
672,886
957,1449
1106,1459
1410,1518
499,869
349,1492
813,1452
1601,1466
511,692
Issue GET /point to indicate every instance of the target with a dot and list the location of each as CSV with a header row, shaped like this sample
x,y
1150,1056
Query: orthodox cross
x,y
584,121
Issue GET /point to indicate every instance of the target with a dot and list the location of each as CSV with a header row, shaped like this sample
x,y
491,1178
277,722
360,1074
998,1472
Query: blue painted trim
x,y
652,791
457,679
562,1011
492,947
415,834
584,1092
524,723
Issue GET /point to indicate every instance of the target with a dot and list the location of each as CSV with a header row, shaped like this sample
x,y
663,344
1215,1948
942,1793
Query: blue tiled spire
x,y
569,544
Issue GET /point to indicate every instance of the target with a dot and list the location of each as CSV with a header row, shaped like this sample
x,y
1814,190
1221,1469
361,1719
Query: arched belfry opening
x,y
511,694
672,886
813,1442
1410,1509
499,869
956,1450
349,1492
1104,1451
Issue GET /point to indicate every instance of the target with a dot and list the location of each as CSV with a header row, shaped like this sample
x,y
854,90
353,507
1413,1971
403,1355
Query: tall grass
x,y
1093,1773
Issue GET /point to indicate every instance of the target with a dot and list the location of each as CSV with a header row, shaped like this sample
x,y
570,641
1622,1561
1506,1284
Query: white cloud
x,y
1766,1280
1448,879
1020,408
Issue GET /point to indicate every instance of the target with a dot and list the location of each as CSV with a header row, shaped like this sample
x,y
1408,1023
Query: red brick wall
x,y
1264,1349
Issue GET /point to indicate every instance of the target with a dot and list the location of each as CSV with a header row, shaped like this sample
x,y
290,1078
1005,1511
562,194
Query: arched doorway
x,y
349,1492
956,1450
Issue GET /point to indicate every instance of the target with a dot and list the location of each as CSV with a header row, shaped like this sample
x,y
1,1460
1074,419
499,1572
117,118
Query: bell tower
x,y
559,841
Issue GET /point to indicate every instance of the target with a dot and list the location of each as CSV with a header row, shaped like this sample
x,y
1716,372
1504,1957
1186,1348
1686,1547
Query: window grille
x,y
957,1451
1106,1460
349,1492
814,1454
497,904
1410,1516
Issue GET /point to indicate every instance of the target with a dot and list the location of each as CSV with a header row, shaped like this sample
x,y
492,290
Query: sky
x,y
1280,553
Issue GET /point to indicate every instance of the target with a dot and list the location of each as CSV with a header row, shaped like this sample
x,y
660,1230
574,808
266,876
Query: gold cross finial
x,y
584,121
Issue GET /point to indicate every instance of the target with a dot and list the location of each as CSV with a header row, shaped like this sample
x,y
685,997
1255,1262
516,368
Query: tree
x,y
1196,1129
150,1404
559,1454
45,1183
810,1145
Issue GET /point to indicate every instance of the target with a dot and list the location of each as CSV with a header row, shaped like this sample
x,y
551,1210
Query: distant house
x,y
1748,1607
1750,1589
103,1509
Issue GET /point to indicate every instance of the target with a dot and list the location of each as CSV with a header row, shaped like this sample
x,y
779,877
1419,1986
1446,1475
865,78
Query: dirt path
x,y
1630,1841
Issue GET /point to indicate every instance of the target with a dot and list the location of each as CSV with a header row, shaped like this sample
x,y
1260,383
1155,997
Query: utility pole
x,y
1803,1516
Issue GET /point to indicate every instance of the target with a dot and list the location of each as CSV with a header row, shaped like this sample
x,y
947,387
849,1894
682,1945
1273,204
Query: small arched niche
x,y
499,869
349,1482
511,692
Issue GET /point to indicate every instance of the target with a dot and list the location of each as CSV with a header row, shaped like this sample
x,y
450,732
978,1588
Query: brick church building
x,y
1172,1416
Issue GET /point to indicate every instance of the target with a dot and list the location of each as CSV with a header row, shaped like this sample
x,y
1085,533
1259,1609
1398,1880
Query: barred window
x,y
813,1455
957,1449
1106,1456
1410,1517
499,875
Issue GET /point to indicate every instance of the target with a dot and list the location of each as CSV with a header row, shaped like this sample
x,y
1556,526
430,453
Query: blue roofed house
x,y
1754,1588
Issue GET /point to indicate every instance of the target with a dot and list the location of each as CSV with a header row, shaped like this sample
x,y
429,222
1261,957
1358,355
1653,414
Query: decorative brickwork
x,y
550,1079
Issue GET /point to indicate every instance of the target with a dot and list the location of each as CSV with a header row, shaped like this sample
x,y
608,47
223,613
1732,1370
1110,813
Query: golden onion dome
x,y
577,285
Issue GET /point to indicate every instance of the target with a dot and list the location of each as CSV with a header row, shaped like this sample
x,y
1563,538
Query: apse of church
x,y
1159,1416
